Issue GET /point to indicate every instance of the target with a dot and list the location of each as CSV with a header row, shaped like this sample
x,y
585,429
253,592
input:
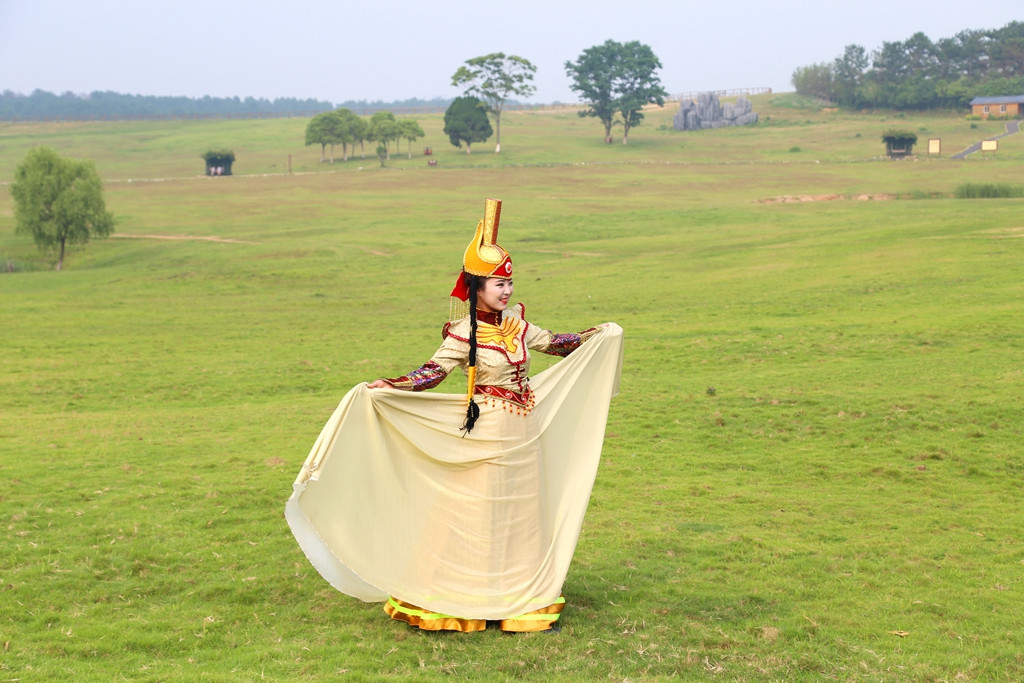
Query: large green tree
x,y
616,80
59,201
637,84
466,121
593,79
493,78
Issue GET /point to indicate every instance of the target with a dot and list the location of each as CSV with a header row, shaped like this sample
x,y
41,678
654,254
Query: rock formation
x,y
708,112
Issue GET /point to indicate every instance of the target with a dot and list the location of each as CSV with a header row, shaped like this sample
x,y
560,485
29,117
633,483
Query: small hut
x,y
218,161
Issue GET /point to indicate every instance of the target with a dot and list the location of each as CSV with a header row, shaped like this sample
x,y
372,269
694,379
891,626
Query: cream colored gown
x,y
394,499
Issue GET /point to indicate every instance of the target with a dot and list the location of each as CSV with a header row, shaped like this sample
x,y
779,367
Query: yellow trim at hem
x,y
430,621
538,620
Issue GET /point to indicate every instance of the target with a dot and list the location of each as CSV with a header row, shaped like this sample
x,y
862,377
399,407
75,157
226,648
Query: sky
x,y
399,49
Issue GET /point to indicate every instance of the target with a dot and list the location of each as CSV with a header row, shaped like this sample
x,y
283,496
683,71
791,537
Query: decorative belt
x,y
524,400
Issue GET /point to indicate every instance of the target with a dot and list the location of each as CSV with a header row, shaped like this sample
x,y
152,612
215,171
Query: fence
x,y
734,92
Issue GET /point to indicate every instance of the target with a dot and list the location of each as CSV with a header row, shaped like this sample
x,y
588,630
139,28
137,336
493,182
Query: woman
x,y
462,511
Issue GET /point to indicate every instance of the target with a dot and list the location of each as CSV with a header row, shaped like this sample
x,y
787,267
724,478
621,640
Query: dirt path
x,y
792,198
204,238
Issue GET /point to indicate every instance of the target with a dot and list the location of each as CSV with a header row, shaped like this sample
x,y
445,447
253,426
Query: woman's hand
x,y
378,384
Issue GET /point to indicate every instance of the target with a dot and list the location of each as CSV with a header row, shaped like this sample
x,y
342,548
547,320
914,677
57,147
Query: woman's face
x,y
494,294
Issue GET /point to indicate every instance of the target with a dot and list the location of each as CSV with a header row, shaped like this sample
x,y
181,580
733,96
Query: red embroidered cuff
x,y
426,377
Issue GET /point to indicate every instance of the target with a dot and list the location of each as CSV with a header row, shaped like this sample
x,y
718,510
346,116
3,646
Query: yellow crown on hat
x,y
484,257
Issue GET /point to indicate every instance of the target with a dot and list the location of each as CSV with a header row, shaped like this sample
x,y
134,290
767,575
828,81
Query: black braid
x,y
474,285
472,410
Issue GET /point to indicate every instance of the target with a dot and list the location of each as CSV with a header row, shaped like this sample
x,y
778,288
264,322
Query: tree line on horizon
x,y
918,73
106,104
41,104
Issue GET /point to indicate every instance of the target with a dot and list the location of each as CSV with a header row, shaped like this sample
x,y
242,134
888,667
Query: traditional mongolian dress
x,y
450,529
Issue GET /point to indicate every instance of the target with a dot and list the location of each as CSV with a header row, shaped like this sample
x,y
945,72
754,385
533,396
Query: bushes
x,y
988,191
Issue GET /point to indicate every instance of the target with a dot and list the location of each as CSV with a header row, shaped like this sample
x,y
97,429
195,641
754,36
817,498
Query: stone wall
x,y
707,112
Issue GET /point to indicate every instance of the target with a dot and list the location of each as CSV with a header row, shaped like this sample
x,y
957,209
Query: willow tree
x,y
59,201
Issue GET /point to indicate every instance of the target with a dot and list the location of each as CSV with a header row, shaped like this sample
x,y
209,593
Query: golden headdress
x,y
484,257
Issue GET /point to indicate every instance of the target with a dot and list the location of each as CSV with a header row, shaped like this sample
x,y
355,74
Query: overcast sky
x,y
398,49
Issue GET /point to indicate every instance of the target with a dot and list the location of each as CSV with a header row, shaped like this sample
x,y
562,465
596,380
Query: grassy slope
x,y
855,473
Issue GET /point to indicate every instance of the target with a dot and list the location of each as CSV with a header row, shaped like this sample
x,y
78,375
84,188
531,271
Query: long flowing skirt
x,y
394,500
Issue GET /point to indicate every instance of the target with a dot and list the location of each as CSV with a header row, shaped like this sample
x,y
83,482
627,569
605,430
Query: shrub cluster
x,y
988,191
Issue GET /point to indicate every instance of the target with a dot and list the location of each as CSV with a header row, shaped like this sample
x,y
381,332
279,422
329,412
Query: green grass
x,y
855,474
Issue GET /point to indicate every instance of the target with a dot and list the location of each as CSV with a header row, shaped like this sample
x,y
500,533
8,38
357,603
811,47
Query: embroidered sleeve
x,y
561,344
451,354
426,377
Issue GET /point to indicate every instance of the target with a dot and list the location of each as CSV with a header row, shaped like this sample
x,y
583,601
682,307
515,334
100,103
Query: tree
x,y
466,121
493,78
918,73
325,129
383,129
59,201
314,135
593,78
637,85
816,80
411,131
352,129
359,129
1008,51
617,80
848,71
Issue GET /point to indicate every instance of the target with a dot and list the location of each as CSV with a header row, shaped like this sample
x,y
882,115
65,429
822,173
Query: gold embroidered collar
x,y
500,332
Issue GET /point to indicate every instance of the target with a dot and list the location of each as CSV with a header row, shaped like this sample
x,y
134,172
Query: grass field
x,y
813,472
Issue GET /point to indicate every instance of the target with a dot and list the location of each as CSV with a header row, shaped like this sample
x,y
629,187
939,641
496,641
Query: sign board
x,y
934,146
989,145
